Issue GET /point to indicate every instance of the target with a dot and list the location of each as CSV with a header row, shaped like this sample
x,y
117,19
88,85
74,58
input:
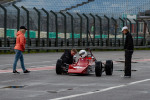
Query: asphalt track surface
x,y
43,83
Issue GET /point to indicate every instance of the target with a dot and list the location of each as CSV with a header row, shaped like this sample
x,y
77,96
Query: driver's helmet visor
x,y
81,53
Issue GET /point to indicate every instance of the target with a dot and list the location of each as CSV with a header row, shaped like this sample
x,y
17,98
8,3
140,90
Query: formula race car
x,y
86,64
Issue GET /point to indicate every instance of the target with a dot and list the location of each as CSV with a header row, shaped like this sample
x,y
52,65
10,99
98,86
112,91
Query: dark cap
x,y
23,27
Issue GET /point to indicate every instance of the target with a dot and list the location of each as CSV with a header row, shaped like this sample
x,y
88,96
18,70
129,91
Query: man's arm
x,y
22,42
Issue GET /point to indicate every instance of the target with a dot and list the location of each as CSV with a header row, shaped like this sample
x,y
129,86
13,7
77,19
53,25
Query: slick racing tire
x,y
109,67
98,68
58,66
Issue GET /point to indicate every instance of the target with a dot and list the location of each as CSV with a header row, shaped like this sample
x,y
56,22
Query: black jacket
x,y
129,42
67,57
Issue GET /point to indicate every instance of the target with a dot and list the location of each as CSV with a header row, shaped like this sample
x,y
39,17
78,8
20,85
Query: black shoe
x,y
16,72
26,71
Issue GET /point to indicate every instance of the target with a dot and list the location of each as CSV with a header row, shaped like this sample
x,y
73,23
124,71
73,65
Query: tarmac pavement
x,y
43,83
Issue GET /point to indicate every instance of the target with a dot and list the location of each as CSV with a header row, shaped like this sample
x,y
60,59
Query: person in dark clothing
x,y
129,48
67,57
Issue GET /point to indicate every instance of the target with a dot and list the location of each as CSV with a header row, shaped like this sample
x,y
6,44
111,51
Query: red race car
x,y
86,64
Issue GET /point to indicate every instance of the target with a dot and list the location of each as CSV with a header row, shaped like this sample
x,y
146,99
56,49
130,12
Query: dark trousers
x,y
128,57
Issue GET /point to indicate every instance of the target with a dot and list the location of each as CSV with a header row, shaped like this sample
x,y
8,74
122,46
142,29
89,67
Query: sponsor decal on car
x,y
77,67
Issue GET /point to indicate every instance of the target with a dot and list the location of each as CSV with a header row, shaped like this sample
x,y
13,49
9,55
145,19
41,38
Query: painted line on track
x,y
31,69
99,91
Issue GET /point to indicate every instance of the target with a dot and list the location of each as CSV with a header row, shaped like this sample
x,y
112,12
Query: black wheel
x,y
109,67
58,66
98,68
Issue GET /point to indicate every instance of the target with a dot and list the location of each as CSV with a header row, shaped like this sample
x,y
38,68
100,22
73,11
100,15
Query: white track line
x,y
99,91
139,81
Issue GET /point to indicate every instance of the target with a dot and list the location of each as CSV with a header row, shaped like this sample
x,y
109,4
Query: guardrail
x,y
34,45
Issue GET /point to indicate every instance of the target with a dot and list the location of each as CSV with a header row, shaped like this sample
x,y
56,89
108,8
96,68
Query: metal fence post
x,y
0,42
94,28
28,27
56,23
65,27
81,21
39,26
122,34
72,27
115,28
5,25
18,16
87,29
137,31
107,27
130,25
47,26
8,42
101,32
144,41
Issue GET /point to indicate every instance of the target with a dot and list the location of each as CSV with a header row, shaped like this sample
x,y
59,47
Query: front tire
x,y
109,67
58,66
98,68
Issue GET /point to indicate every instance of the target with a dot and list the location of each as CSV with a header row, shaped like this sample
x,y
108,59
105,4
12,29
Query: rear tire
x,y
109,67
58,66
98,68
